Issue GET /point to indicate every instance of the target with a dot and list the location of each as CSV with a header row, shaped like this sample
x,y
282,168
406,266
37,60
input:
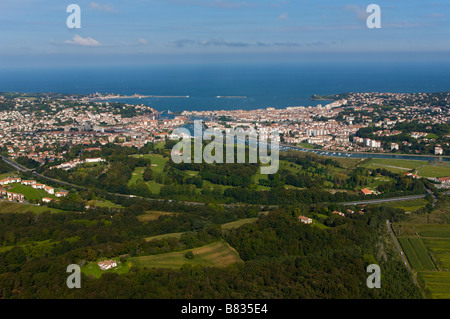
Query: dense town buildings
x,y
39,127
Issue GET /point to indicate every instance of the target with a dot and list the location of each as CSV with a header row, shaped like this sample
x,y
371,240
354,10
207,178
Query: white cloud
x,y
283,16
84,42
98,6
360,13
142,41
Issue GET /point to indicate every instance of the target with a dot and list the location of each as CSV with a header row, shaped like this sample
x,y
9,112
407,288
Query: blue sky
x,y
153,31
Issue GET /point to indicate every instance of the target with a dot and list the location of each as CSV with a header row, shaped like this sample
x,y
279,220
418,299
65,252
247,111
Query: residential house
x,y
305,220
107,264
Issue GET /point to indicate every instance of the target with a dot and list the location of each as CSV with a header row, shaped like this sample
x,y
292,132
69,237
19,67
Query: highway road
x,y
388,200
363,202
384,200
402,254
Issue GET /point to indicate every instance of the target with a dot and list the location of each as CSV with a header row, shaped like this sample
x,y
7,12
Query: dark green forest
x,y
283,258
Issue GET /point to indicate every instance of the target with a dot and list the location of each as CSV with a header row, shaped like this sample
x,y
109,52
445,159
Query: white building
x,y
49,190
305,220
94,160
107,264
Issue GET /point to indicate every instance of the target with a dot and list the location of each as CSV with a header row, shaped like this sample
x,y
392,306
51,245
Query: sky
x,y
34,32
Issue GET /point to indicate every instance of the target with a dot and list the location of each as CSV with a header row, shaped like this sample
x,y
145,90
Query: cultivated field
x,y
417,254
153,215
10,207
165,236
219,254
440,249
433,230
437,283
238,223
408,206
428,251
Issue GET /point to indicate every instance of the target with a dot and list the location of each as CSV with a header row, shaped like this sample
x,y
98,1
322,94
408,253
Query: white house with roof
x,y
107,264
49,190
305,220
38,186
61,194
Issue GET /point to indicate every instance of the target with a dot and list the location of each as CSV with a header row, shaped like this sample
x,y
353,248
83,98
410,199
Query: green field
x,y
433,230
158,163
424,169
92,269
219,254
408,206
422,253
165,236
309,146
417,254
437,245
437,282
410,254
103,203
38,248
238,223
5,175
29,192
434,171
10,207
393,165
440,249
137,175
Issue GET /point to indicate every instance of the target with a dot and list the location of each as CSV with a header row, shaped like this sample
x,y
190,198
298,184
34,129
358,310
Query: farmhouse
x,y
107,264
444,180
366,191
49,190
46,200
305,220
338,213
61,194
38,186
28,183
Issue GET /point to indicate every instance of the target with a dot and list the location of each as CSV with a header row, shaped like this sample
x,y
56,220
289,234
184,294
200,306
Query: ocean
x,y
252,86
